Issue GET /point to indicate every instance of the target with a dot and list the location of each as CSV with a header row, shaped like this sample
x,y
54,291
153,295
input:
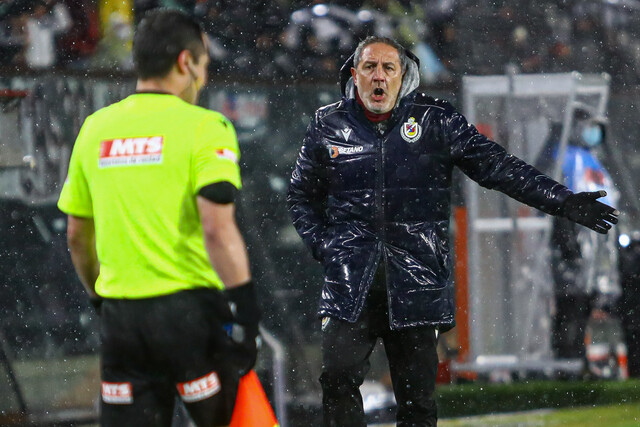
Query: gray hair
x,y
402,54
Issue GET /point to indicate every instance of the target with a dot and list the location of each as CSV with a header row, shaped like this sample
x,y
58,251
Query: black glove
x,y
246,313
585,209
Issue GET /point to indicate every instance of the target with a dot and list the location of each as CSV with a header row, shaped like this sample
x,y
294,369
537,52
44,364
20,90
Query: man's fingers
x,y
608,213
593,195
611,218
601,228
585,209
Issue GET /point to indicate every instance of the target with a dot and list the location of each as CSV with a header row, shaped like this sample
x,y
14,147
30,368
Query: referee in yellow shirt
x,y
152,234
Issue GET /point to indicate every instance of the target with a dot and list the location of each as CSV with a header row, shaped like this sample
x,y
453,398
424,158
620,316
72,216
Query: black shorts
x,y
156,349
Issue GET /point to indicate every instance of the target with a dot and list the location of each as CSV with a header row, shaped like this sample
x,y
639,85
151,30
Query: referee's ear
x,y
183,62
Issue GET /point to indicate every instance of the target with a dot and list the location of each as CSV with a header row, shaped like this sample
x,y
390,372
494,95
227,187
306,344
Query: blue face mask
x,y
592,135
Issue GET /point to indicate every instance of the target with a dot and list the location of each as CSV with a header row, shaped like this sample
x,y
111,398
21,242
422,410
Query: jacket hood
x,y
410,80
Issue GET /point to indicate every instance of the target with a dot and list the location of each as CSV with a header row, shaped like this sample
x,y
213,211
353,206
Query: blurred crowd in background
x,y
295,39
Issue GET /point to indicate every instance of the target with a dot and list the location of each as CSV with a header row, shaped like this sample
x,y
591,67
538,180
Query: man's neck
x,y
168,84
154,85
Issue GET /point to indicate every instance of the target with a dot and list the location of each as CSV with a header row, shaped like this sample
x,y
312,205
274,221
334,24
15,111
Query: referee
x,y
152,235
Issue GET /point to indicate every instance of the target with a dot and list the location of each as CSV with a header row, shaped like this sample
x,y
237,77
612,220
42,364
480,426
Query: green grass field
x,y
627,415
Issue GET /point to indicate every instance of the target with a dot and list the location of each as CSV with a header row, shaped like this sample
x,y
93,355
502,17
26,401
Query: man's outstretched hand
x,y
585,209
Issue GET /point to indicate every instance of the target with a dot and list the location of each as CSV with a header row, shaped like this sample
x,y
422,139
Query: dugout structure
x,y
506,306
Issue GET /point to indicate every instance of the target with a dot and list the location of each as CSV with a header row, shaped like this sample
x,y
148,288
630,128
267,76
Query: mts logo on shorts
x,y
199,389
117,393
131,151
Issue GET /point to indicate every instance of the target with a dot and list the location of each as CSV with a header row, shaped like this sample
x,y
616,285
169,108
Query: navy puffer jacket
x,y
363,194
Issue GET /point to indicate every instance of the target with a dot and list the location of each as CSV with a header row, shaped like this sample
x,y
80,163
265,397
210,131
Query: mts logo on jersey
x,y
143,150
199,389
117,393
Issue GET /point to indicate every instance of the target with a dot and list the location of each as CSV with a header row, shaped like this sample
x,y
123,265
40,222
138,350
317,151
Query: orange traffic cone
x,y
252,407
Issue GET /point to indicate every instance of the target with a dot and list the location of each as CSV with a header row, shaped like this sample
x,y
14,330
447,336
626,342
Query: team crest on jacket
x,y
411,130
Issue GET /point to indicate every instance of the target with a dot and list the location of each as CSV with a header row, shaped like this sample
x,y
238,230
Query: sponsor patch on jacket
x,y
117,393
335,150
410,130
200,388
225,153
142,150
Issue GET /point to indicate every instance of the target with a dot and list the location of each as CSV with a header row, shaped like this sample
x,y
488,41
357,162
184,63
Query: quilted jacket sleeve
x,y
489,164
308,192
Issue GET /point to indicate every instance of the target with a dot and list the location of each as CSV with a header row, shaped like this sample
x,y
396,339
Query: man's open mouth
x,y
378,94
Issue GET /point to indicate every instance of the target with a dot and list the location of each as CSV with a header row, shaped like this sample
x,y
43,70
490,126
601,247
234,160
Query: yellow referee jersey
x,y
136,169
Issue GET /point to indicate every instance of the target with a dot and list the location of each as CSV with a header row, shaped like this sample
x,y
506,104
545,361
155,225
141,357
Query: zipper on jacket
x,y
381,223
380,185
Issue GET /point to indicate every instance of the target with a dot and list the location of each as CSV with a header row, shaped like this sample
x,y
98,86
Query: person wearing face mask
x,y
370,196
584,265
152,234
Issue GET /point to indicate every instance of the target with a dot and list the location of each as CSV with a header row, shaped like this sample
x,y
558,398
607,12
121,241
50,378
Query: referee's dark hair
x,y
160,37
